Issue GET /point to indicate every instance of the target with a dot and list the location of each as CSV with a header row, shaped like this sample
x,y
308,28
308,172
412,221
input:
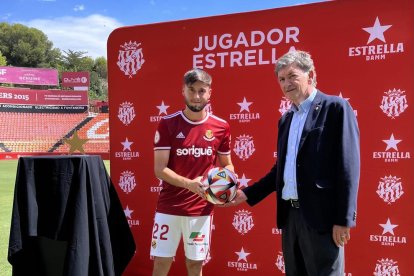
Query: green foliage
x,y
3,61
26,47
22,46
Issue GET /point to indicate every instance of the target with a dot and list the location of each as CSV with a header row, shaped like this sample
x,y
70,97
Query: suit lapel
x,y
284,133
313,114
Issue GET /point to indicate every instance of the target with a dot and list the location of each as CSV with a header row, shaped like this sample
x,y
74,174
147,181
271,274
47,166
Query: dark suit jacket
x,y
327,166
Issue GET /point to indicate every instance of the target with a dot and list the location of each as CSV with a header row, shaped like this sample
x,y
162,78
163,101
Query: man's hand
x,y
196,187
341,235
240,197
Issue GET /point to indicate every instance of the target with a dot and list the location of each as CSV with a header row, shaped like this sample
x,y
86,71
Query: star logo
x,y
244,181
242,255
376,31
392,143
163,108
128,212
388,227
75,143
244,105
127,144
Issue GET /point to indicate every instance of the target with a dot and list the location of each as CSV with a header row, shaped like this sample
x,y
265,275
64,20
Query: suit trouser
x,y
309,252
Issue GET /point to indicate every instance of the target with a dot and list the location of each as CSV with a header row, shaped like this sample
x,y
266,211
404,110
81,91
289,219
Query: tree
x,y
27,47
100,67
3,61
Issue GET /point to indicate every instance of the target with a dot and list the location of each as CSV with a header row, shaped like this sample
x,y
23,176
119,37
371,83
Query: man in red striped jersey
x,y
186,145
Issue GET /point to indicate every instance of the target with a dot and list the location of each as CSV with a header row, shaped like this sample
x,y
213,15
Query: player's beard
x,y
195,108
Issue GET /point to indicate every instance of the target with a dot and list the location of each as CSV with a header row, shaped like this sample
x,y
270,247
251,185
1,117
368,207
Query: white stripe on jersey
x,y
171,115
162,148
224,153
217,118
195,123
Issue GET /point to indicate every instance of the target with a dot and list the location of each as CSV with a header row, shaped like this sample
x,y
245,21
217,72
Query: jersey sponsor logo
x,y
394,103
196,152
390,189
380,50
126,113
130,58
243,221
385,267
209,135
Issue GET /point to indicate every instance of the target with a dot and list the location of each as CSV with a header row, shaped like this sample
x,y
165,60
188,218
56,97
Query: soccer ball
x,y
220,185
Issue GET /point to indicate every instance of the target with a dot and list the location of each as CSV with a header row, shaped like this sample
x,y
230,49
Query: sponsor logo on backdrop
x,y
244,115
387,237
285,105
381,49
386,267
126,113
128,213
162,109
130,58
394,103
127,181
243,48
242,264
156,189
276,231
126,153
390,189
244,146
243,181
280,262
347,99
391,153
243,221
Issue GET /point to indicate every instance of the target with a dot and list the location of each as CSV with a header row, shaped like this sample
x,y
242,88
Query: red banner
x,y
356,46
75,79
33,76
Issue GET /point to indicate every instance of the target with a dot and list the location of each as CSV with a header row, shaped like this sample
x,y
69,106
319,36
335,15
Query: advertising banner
x,y
26,100
363,53
33,76
75,79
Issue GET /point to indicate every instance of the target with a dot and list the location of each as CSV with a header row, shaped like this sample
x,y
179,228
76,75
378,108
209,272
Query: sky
x,y
84,25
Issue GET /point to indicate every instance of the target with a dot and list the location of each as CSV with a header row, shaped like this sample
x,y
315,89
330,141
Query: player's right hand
x,y
196,186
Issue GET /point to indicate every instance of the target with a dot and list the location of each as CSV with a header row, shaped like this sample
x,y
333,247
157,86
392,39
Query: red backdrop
x,y
363,52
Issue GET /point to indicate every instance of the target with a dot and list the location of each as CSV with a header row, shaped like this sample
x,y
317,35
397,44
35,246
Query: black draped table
x,y
67,219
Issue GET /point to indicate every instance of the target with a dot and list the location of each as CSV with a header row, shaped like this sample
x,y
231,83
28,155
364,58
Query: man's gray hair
x,y
197,74
300,58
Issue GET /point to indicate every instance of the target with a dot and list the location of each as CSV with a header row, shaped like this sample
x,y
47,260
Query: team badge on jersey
x,y
209,135
156,137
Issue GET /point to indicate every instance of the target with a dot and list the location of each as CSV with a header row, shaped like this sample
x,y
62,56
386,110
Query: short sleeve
x,y
224,147
162,136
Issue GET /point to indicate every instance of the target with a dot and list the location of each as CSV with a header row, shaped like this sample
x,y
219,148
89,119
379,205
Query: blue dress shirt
x,y
295,132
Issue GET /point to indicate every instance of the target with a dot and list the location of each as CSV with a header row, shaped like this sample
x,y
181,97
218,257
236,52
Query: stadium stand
x,y
44,132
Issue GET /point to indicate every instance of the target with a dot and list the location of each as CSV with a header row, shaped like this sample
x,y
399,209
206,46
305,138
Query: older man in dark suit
x,y
316,176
